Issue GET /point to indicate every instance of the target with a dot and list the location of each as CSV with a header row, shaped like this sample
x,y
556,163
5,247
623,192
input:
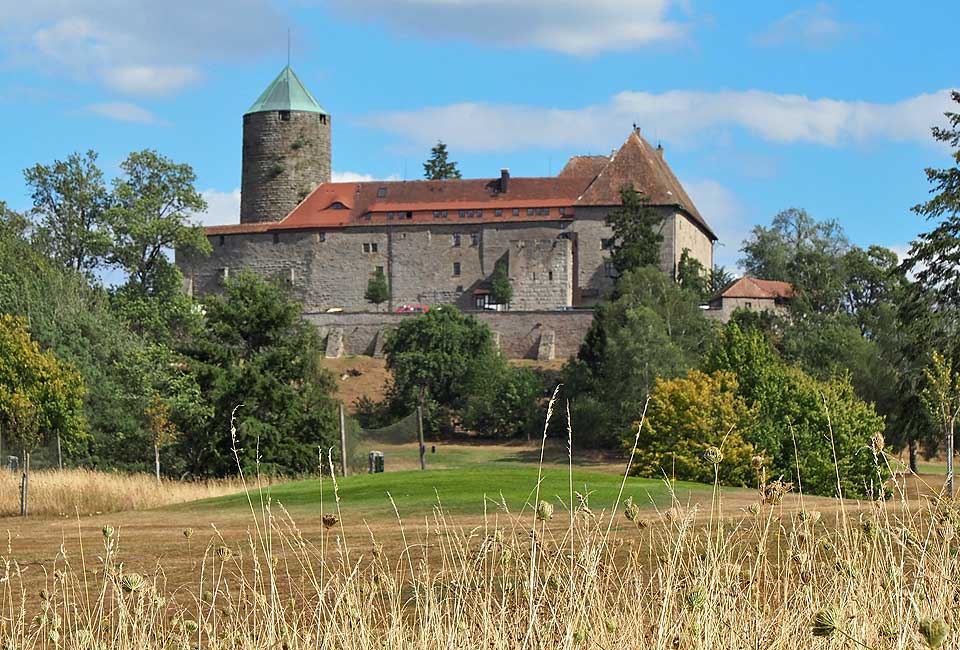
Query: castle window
x,y
321,236
606,244
459,288
381,192
543,211
389,215
609,269
516,212
474,238
456,239
456,268
366,247
373,247
409,214
748,305
444,214
223,240
498,212
563,211
276,238
530,212
284,116
463,213
550,276
436,214
379,269
479,213
336,205
292,278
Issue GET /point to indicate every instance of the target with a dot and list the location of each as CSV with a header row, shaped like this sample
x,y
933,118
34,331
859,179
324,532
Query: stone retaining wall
x,y
521,335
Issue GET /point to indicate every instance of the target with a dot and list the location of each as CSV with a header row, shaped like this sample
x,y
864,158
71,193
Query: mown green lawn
x,y
463,490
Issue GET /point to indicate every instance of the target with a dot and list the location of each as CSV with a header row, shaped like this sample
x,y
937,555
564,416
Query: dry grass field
x,y
486,549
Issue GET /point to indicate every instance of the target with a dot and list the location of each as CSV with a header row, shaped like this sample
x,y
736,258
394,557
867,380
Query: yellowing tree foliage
x,y
39,395
689,415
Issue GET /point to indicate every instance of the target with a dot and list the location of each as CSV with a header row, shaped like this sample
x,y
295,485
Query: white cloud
x,y
222,207
570,26
356,177
815,28
150,79
124,112
137,46
729,218
680,116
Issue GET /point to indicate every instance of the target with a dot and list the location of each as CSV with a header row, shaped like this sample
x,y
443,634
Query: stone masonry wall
x,y
519,332
283,160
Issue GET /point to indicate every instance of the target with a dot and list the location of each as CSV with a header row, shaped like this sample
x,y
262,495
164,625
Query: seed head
x,y
754,509
224,553
188,533
826,622
107,532
713,455
132,582
696,598
757,462
544,510
329,521
630,509
933,631
876,442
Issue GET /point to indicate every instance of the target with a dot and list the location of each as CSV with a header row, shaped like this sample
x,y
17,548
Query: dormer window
x,y
284,116
336,205
381,192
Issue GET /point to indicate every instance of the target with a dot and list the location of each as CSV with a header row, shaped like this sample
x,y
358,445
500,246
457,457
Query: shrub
x,y
686,417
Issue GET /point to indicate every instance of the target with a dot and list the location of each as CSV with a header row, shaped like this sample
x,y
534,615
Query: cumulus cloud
x,y
683,117
727,215
124,112
816,28
137,46
222,207
568,26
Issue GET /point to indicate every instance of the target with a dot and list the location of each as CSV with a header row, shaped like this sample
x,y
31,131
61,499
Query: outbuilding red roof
x,y
747,287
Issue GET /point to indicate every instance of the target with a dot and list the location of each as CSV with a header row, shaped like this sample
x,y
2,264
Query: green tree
x,y
154,205
12,223
636,232
941,396
933,256
687,417
772,253
70,206
719,279
651,328
39,396
377,291
438,167
257,356
692,276
500,288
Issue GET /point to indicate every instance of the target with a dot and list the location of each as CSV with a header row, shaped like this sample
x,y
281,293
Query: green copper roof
x,y
286,93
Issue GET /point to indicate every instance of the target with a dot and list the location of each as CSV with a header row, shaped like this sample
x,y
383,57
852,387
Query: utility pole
x,y
343,442
423,447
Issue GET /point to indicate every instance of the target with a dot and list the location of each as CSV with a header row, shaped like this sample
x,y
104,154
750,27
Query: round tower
x,y
286,150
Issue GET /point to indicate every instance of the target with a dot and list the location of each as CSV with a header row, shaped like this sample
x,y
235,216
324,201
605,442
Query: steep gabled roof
x,y
639,164
286,93
747,287
585,166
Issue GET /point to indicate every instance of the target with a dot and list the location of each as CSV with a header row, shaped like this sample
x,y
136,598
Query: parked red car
x,y
411,309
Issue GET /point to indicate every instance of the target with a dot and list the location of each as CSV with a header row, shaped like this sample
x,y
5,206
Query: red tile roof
x,y
747,287
584,181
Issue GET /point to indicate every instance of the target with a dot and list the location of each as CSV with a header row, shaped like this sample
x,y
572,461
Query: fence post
x,y
343,443
423,448
59,453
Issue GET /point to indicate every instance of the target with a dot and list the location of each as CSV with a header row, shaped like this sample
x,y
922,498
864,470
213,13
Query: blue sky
x,y
760,106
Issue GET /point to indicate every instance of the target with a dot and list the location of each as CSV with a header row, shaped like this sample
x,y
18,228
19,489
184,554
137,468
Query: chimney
x,y
660,150
504,180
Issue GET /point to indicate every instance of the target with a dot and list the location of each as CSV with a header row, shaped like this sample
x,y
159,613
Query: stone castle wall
x,y
519,333
551,264
285,155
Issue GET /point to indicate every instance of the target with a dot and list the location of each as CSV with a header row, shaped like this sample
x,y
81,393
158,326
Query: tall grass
x,y
66,492
565,572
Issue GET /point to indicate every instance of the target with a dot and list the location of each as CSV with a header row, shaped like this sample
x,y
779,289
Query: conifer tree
x,y
438,167
636,232
501,289
377,291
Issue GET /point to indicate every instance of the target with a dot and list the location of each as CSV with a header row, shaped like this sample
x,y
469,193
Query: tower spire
x,y
288,47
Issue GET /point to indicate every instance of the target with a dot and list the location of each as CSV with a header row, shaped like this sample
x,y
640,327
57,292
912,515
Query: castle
x,y
437,242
